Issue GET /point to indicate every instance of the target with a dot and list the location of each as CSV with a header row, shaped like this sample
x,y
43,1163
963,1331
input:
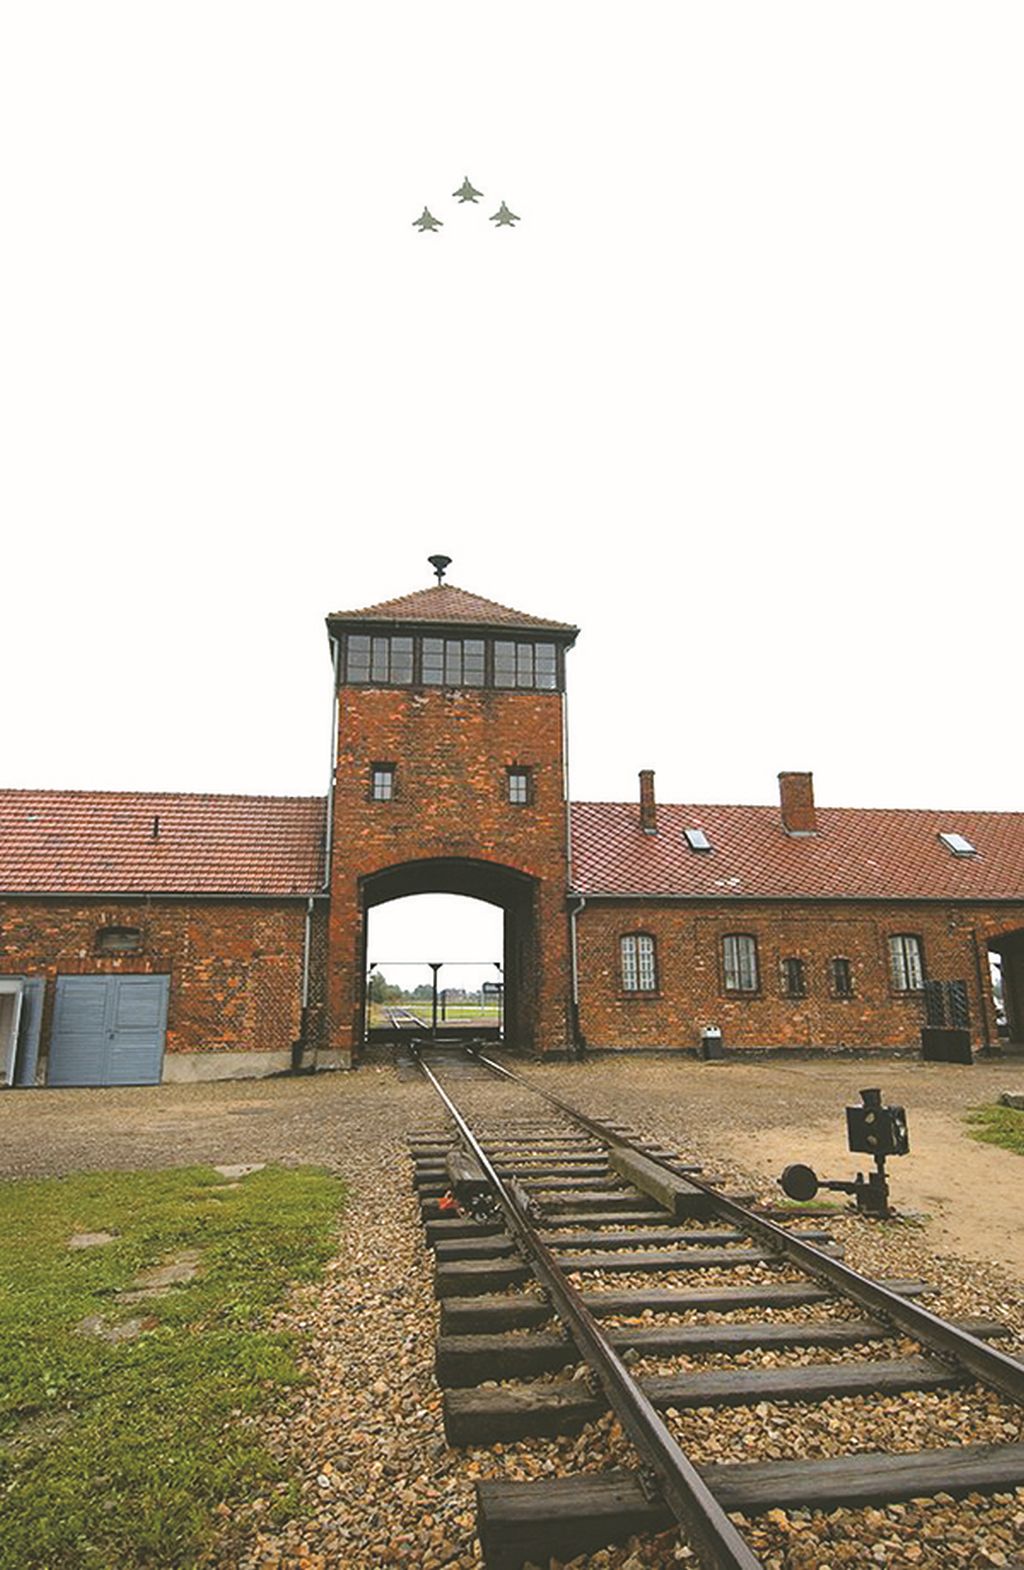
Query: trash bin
x,y
711,1044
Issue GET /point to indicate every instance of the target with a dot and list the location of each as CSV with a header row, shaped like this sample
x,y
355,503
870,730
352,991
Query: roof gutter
x,y
731,896
164,894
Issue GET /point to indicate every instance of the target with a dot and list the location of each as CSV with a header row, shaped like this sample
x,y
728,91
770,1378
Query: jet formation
x,y
467,192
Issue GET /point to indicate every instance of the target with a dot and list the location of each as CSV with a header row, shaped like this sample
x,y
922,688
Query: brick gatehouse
x,y
171,936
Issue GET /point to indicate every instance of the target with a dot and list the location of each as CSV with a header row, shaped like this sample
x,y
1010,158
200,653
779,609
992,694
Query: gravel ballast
x,y
378,1485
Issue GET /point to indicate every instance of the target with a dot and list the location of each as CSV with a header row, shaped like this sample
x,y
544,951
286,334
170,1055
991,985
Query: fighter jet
x,y
426,221
467,192
503,216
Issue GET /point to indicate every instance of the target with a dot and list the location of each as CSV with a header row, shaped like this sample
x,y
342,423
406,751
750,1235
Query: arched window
x,y
639,967
739,962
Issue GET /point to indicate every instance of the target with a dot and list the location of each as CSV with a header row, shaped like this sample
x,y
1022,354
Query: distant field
x,y
462,1013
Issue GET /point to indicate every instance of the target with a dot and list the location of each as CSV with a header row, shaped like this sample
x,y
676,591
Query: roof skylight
x,y
958,844
696,839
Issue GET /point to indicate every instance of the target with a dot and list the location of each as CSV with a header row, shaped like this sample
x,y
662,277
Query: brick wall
x,y
451,749
691,989
235,966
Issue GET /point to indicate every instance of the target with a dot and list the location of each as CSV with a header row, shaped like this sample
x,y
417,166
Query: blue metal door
x,y
108,1030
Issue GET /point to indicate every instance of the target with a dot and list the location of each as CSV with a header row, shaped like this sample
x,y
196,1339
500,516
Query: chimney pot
x,y
796,792
648,805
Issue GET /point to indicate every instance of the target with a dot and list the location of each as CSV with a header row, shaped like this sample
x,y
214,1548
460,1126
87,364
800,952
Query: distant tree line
x,y
382,991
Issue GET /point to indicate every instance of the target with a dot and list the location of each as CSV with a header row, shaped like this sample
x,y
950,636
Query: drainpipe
x,y
329,836
574,911
299,1046
982,996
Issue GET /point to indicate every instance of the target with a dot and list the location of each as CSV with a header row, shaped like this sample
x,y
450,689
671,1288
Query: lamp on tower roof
x,y
440,564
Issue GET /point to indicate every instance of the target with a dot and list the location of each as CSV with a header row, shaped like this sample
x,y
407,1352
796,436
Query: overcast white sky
x,y
741,394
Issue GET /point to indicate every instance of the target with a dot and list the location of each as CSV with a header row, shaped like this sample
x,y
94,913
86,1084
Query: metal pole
x,y
435,966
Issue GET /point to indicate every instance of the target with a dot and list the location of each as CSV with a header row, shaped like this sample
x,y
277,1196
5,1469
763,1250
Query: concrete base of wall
x,y
330,1058
188,1068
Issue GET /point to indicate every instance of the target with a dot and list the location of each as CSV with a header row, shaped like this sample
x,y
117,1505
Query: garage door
x,y
108,1030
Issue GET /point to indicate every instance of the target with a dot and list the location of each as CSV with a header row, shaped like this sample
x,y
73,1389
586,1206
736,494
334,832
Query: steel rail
x,y
992,1366
692,1503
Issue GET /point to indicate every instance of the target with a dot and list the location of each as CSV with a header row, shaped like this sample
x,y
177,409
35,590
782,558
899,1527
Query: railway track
x,y
589,1269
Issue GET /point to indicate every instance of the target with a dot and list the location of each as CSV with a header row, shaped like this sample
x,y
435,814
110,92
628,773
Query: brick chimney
x,y
648,805
797,796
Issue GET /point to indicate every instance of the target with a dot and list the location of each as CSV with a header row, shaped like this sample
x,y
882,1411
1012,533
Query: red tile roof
x,y
445,603
55,842
865,853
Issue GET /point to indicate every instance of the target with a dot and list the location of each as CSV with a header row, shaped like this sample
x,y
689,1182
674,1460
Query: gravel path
x,y
378,1485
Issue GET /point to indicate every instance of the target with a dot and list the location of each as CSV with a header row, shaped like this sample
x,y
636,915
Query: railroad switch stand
x,y
871,1129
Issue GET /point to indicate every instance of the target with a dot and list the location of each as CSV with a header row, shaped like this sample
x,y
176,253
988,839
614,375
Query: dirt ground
x,y
754,1116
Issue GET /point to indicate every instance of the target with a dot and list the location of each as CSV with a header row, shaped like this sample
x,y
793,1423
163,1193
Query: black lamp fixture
x,y
440,564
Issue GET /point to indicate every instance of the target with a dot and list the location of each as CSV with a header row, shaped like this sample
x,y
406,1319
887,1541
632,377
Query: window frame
x,y
740,991
637,965
519,771
835,989
391,771
132,939
907,987
799,972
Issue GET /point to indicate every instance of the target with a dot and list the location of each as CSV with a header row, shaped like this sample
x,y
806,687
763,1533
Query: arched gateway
x,y
450,777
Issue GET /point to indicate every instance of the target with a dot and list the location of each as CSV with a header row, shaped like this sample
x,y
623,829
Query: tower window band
x,y
401,660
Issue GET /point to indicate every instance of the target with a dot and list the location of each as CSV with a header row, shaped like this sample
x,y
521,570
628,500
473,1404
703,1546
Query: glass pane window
x,y
519,787
380,664
401,661
639,972
433,662
524,665
504,664
794,978
473,662
739,962
842,978
545,659
382,782
358,658
905,961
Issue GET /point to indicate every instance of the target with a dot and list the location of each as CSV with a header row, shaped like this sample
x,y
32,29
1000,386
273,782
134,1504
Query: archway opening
x,y
449,949
1006,964
435,962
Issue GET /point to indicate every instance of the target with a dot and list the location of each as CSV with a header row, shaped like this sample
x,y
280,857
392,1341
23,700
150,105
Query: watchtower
x,y
450,777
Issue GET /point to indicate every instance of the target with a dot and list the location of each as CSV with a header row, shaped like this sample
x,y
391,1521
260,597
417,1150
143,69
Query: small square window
x,y
519,783
696,839
382,782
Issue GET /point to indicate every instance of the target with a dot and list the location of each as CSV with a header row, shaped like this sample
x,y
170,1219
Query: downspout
x,y
579,1045
299,1047
329,835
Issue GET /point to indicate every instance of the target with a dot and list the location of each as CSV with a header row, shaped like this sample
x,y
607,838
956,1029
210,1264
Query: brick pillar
x,y
797,799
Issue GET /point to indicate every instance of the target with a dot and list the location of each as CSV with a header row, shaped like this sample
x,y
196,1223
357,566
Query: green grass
x,y
116,1455
1003,1126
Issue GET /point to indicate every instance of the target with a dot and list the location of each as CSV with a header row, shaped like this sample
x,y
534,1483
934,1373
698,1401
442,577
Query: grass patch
x,y
1002,1126
116,1454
